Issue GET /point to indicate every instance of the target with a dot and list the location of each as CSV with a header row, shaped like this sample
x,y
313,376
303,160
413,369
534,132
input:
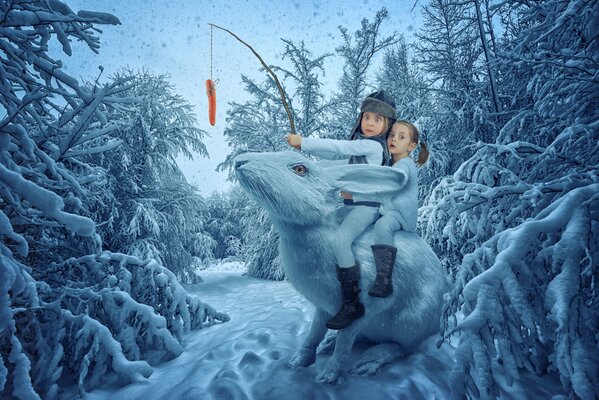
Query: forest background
x,y
100,228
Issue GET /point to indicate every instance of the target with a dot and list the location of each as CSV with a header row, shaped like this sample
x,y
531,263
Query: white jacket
x,y
334,149
405,201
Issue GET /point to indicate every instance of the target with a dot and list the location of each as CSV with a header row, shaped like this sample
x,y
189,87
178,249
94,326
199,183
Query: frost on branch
x,y
518,224
97,319
48,120
523,223
67,319
532,306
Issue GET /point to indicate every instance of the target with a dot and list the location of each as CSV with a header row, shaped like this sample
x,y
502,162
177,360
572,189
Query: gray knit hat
x,y
380,103
377,102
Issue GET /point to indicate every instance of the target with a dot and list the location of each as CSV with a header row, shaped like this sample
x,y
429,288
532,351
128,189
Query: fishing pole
x,y
268,69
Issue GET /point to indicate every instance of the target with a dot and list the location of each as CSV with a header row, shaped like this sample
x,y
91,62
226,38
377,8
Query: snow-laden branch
x,y
546,258
48,202
92,319
103,315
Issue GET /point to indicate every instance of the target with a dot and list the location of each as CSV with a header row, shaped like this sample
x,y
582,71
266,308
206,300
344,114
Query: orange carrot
x,y
211,92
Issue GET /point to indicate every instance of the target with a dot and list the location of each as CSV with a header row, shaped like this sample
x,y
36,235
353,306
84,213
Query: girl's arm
x,y
333,149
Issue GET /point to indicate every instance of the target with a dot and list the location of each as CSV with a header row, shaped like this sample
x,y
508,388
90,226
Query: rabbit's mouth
x,y
243,174
253,183
240,163
242,170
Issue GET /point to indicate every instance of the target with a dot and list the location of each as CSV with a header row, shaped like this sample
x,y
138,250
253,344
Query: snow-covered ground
x,y
246,358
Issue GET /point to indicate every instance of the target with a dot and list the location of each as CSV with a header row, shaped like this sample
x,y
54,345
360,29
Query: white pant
x,y
354,223
385,228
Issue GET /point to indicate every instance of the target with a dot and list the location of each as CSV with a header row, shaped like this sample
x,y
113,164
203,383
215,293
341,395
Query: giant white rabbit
x,y
302,199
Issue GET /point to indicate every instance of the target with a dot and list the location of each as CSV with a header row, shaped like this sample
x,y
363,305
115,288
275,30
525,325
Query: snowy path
x,y
246,358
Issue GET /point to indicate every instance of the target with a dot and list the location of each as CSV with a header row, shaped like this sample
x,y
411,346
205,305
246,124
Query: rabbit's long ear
x,y
325,163
367,181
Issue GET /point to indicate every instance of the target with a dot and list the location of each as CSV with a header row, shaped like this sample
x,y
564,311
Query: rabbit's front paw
x,y
302,358
331,373
327,346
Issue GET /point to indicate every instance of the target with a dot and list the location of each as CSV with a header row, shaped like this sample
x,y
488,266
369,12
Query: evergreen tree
x,y
400,76
516,224
69,313
310,107
448,49
260,124
224,223
358,53
155,213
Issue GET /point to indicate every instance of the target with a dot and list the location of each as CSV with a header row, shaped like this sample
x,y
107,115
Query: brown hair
x,y
415,136
388,125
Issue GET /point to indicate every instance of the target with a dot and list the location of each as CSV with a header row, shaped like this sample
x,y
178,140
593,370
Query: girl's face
x,y
399,142
373,124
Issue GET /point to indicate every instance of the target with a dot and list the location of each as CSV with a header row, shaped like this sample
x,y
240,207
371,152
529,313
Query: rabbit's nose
x,y
240,163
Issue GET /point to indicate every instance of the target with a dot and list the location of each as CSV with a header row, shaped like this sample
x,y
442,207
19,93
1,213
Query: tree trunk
x,y
488,56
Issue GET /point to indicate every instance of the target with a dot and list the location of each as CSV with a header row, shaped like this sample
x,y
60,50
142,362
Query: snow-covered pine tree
x,y
64,320
413,96
261,249
358,52
154,213
224,212
521,216
261,124
302,82
400,77
448,49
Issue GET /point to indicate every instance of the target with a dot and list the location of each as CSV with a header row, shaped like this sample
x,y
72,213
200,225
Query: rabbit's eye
x,y
300,169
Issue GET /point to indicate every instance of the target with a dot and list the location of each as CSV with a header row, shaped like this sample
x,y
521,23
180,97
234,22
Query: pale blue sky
x,y
173,37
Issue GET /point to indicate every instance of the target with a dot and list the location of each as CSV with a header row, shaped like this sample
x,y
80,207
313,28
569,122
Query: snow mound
x,y
226,266
247,358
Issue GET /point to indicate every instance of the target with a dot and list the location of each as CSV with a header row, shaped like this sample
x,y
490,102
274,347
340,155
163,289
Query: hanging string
x,y
211,90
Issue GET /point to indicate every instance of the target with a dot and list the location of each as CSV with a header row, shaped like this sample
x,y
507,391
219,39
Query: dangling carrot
x,y
211,92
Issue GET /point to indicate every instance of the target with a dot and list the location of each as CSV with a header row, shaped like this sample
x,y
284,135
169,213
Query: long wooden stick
x,y
270,71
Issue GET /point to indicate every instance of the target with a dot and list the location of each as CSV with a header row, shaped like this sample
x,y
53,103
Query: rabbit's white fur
x,y
305,211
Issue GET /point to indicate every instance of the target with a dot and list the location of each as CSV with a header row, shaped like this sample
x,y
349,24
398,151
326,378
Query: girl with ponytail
x,y
400,212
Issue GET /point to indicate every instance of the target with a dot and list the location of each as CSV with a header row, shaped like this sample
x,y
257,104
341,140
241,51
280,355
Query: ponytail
x,y
422,155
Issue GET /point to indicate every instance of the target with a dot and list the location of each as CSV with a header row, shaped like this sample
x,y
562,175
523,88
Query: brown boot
x,y
351,308
384,259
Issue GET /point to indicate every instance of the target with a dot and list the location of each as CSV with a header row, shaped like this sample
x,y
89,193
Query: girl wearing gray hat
x,y
366,145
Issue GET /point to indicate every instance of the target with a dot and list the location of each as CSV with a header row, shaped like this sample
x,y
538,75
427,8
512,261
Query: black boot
x,y
351,308
384,259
